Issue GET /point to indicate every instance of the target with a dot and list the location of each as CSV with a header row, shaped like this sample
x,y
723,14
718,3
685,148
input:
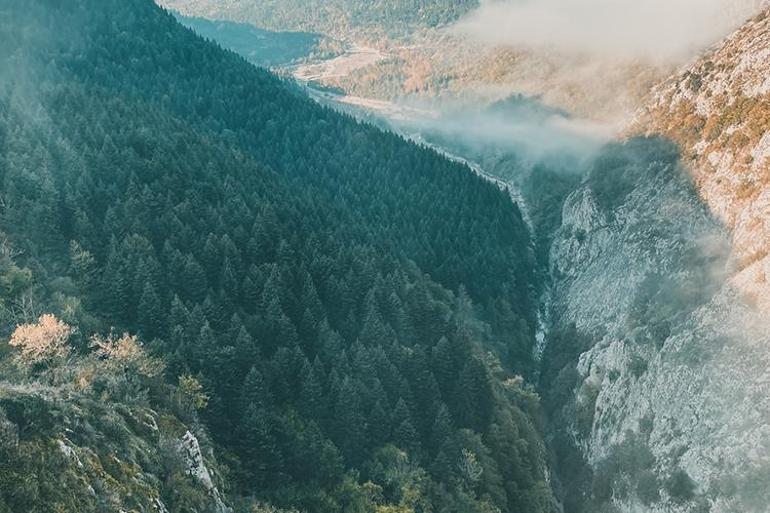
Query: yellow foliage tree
x,y
43,341
125,353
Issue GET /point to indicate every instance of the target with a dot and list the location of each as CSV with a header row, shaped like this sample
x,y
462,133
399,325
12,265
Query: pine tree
x,y
378,426
374,331
228,278
255,391
259,448
193,280
178,313
475,396
115,285
400,414
246,351
406,437
308,330
348,421
205,346
210,257
82,266
443,364
441,430
150,313
311,398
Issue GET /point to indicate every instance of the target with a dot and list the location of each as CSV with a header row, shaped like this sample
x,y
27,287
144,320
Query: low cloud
x,y
661,30
519,125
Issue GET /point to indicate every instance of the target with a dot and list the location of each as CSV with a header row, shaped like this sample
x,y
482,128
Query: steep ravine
x,y
653,367
660,297
663,406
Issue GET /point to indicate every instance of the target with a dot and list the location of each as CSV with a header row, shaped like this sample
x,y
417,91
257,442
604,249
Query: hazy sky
x,y
666,30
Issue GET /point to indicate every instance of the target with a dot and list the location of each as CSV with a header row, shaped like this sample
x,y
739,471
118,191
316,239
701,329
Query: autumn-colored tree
x,y
125,353
43,341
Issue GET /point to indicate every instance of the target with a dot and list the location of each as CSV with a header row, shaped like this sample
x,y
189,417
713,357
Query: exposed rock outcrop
x,y
718,110
190,450
671,404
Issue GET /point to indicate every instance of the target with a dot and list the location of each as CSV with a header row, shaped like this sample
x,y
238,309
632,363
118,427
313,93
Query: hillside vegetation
x,y
355,308
98,431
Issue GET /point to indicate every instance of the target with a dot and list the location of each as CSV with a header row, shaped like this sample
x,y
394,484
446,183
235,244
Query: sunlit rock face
x,y
671,402
190,451
718,110
665,268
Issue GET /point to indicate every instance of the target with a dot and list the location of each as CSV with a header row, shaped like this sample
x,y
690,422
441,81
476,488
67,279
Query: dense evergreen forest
x,y
356,308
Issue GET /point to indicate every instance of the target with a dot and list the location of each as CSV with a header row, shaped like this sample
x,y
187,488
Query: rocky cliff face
x,y
669,404
718,110
661,271
654,372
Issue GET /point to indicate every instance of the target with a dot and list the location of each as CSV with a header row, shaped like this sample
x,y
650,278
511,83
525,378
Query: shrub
x,y
647,487
191,393
680,486
638,366
42,342
126,354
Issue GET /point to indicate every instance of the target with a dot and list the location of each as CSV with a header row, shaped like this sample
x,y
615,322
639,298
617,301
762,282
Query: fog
x,y
532,137
657,30
520,126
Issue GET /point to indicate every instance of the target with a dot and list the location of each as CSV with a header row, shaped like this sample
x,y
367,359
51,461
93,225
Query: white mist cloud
x,y
665,30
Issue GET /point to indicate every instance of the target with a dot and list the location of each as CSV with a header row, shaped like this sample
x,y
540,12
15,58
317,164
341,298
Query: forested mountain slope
x,y
342,295
98,432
